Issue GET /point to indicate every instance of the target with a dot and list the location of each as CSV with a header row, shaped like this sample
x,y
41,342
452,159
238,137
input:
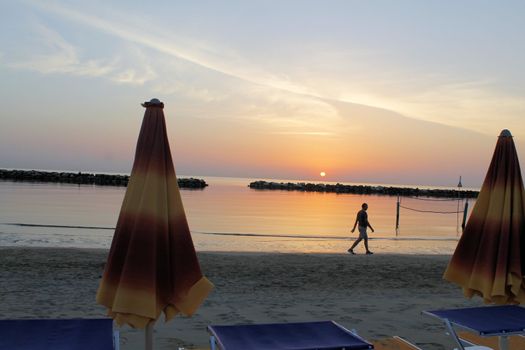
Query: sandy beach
x,y
379,296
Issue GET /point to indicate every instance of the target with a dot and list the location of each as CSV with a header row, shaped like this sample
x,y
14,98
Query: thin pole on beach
x,y
149,335
464,216
397,215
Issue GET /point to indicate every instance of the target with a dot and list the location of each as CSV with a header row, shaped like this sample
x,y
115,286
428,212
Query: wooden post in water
x,y
397,216
464,216
457,210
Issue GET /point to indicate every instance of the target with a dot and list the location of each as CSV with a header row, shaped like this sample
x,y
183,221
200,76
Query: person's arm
x,y
355,223
370,227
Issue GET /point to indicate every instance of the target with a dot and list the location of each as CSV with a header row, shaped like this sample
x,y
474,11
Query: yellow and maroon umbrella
x,y
490,255
152,267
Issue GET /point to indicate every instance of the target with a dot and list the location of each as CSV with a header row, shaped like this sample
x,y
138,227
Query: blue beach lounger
x,y
279,336
58,334
487,321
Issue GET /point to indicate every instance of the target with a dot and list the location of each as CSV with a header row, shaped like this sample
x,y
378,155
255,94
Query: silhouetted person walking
x,y
362,220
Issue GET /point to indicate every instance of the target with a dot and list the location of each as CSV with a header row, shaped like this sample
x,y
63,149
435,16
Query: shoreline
x,y
230,253
379,296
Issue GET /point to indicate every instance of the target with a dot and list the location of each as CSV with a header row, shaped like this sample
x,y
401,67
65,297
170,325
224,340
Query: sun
x,y
323,174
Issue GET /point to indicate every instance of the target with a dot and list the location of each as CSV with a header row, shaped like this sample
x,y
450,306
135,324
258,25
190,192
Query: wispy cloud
x,y
271,88
129,74
284,111
467,103
171,87
61,57
232,66
476,105
304,133
55,55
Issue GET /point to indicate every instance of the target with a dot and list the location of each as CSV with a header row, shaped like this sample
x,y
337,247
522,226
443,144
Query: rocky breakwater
x,y
83,178
362,189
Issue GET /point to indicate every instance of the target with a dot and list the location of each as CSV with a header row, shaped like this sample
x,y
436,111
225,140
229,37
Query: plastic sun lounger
x,y
489,321
58,334
279,336
394,343
516,342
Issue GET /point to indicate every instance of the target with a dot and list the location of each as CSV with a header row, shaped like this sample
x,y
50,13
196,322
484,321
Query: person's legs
x,y
366,246
364,235
351,250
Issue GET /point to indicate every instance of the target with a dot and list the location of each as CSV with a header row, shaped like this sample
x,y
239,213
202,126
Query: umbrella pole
x,y
149,336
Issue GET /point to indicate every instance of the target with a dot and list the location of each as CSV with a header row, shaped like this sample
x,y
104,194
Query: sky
x,y
397,92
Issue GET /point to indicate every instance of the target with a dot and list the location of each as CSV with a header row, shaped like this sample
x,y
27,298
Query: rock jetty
x,y
83,178
362,189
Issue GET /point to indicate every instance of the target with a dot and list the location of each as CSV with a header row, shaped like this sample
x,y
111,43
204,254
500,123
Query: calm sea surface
x,y
229,216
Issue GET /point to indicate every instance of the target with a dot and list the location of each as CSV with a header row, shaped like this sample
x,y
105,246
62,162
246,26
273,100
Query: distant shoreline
x,y
363,189
84,178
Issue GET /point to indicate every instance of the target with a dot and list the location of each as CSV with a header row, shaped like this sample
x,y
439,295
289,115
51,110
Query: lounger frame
x,y
503,335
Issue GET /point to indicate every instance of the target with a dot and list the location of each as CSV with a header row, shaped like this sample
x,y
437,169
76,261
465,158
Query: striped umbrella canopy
x,y
152,267
489,259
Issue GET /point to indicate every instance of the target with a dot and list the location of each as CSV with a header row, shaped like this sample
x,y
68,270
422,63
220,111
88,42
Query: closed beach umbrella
x,y
489,258
152,267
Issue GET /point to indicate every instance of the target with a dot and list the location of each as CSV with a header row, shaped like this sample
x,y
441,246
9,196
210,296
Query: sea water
x,y
229,216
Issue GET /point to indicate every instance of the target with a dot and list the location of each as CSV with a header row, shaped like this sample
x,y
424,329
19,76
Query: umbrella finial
x,y
154,102
505,133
